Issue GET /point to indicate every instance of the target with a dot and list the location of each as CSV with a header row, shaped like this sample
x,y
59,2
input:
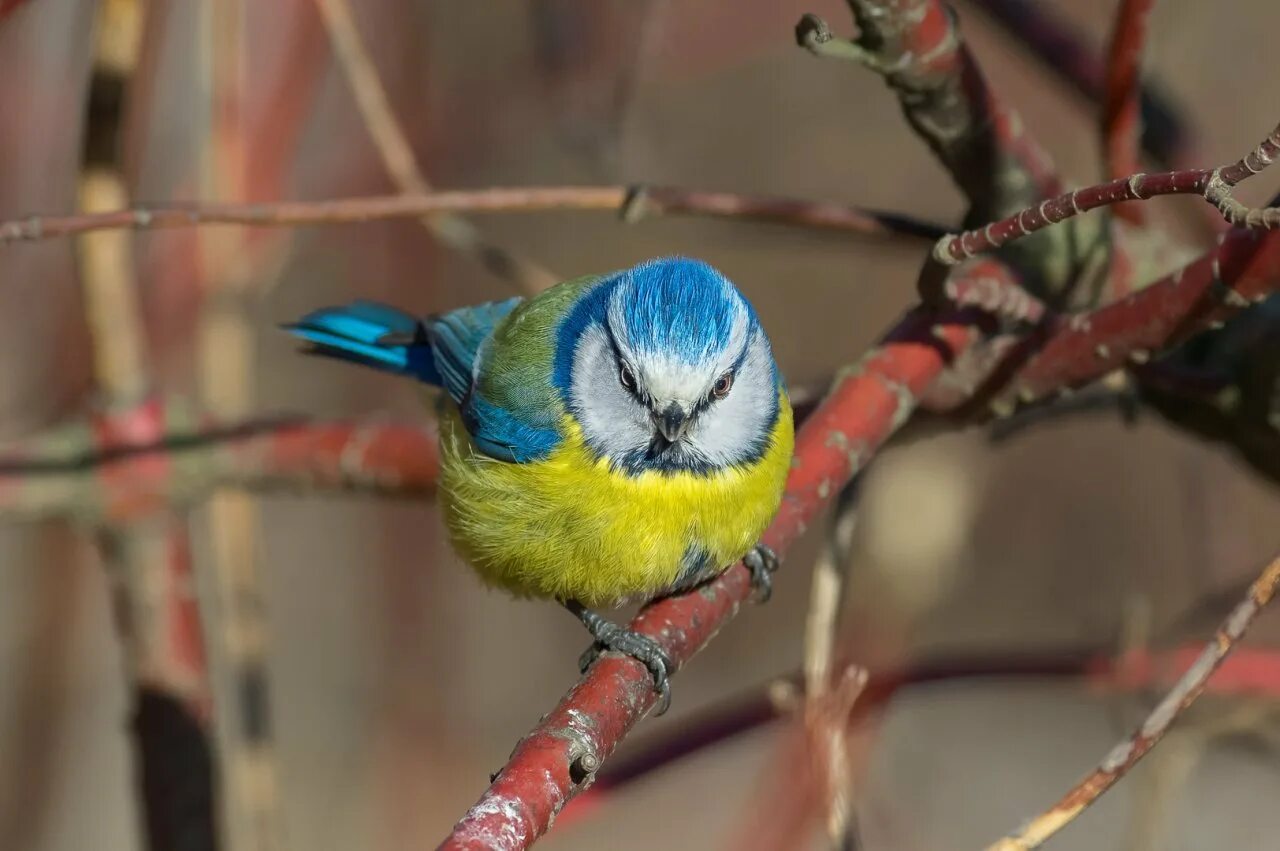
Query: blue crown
x,y
679,307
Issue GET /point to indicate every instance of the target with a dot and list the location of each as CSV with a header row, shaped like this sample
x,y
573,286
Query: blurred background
x,y
396,682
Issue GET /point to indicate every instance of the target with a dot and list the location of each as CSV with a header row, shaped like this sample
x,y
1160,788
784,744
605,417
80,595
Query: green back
x,y
518,360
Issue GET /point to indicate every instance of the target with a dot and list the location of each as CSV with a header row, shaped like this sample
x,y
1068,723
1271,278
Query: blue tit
x,y
616,438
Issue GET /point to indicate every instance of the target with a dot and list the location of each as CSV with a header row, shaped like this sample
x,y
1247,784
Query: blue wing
x,y
456,337
505,434
439,350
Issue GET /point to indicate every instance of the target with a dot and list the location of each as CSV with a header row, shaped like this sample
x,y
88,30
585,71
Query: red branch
x,y
166,639
1138,187
116,479
982,142
1121,124
1213,184
1059,48
1242,270
556,760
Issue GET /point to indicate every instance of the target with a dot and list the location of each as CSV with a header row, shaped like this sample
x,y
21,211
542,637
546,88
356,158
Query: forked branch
x,y
1215,185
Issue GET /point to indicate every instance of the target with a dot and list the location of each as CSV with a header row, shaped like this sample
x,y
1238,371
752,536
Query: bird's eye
x,y
722,386
626,377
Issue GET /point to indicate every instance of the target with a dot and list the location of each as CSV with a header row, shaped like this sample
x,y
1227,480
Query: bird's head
x,y
670,370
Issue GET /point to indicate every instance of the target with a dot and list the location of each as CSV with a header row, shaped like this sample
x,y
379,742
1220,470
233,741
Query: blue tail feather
x,y
353,332
439,350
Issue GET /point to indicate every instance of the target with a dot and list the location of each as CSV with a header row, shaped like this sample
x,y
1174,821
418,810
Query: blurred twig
x,y
633,202
1113,397
397,155
1052,42
1245,673
829,700
226,355
102,477
150,562
1125,755
1122,115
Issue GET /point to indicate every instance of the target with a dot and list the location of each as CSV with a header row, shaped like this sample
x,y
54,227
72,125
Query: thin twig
x,y
1214,184
1122,114
827,704
397,154
633,202
1126,754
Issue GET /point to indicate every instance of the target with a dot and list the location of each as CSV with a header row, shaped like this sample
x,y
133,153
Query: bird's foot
x,y
763,563
642,648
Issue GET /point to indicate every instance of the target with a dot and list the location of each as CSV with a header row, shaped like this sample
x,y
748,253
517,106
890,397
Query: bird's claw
x,y
763,563
643,649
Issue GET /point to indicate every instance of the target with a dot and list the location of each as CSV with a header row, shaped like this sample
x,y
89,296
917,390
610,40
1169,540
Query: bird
x,y
616,438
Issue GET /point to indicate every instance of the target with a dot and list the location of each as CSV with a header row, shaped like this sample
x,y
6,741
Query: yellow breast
x,y
569,527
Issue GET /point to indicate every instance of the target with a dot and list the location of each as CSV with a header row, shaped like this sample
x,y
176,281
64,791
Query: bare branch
x,y
1122,118
633,203
110,478
1126,754
1214,184
828,700
1060,49
916,47
1071,351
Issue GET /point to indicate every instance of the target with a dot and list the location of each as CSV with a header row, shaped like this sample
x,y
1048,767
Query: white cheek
x,y
612,421
728,431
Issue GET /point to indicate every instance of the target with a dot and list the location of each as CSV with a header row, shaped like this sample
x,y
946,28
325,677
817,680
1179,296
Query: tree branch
x,y
1214,184
632,202
149,564
916,47
1126,754
1122,116
1241,271
1054,44
1243,674
86,473
830,691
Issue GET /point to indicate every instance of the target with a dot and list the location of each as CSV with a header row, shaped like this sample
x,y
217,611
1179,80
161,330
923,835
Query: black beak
x,y
672,422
